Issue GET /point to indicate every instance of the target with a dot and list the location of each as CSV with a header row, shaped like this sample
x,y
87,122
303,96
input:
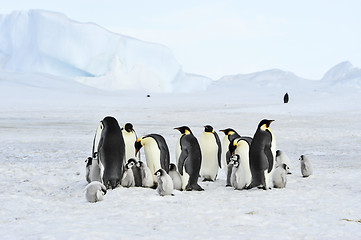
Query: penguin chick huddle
x,y
248,162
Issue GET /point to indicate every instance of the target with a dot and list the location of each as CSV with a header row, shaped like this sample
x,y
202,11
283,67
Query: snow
x,y
47,125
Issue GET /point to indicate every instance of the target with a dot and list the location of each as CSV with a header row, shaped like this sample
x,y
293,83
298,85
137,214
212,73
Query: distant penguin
x,y
279,177
147,178
130,137
211,154
156,152
165,183
306,168
109,152
95,192
281,158
137,173
128,176
240,147
237,176
190,159
87,169
176,177
285,98
262,155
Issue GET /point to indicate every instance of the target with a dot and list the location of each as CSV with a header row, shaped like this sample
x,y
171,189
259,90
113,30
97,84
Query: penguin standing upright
x,y
147,178
240,147
262,155
165,183
286,98
137,172
230,134
237,176
156,152
130,137
87,169
211,154
176,177
306,168
109,152
128,176
281,158
190,159
279,177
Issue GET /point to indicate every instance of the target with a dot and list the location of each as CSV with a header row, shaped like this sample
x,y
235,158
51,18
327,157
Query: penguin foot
x,y
228,185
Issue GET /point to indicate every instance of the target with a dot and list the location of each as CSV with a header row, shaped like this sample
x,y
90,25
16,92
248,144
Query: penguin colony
x,y
248,162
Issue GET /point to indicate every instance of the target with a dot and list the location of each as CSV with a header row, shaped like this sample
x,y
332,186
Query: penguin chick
x,y
176,178
279,177
128,176
95,192
237,176
281,157
165,183
87,169
306,168
147,178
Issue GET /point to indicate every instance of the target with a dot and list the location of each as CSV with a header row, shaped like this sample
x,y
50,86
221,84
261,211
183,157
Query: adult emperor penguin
x,y
190,159
130,137
128,176
176,177
147,178
237,176
281,157
156,152
211,154
109,150
262,155
95,191
230,134
240,147
165,183
306,168
279,177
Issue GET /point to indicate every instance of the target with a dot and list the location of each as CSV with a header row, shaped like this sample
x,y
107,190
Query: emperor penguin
x,y
87,169
279,177
156,152
306,168
147,178
190,159
281,157
262,153
165,183
237,176
128,177
137,172
130,137
211,154
176,177
95,192
240,147
109,152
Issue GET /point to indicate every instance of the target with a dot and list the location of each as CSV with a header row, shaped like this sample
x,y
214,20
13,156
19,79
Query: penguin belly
x,y
129,140
177,180
152,157
237,178
209,150
128,179
243,151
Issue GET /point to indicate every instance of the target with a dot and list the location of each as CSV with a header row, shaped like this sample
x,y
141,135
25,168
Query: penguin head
x,y
159,173
138,145
278,153
89,161
264,124
301,158
208,128
228,131
128,127
285,167
232,146
236,163
131,162
140,164
172,167
184,130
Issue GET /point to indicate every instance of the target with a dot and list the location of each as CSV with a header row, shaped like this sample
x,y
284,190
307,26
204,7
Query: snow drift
x,y
48,42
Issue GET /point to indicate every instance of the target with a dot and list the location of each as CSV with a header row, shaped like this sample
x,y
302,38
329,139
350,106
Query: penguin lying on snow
x,y
95,191
165,183
306,168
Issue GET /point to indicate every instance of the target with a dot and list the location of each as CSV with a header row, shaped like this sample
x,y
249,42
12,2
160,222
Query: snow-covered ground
x,y
47,126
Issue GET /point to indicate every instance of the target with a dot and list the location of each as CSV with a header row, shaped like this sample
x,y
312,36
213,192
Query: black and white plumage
x,y
87,169
147,178
95,192
306,168
282,158
130,137
165,183
230,134
279,177
128,176
237,176
176,177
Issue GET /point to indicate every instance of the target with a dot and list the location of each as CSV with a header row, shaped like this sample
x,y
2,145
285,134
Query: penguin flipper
x,y
219,153
181,160
269,156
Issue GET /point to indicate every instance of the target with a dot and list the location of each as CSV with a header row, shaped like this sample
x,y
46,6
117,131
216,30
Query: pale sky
x,y
224,37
